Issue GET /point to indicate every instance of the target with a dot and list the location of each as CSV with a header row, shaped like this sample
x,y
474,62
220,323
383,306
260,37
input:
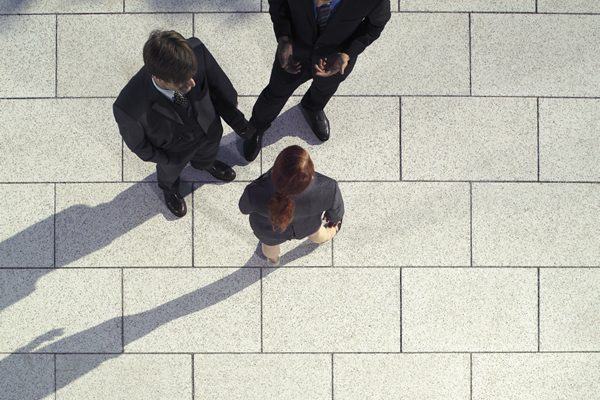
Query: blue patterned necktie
x,y
323,13
180,99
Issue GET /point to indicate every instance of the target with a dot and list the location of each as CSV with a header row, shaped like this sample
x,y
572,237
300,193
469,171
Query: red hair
x,y
291,174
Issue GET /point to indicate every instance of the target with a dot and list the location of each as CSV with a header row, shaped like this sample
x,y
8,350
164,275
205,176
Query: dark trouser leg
x,y
168,176
272,99
322,89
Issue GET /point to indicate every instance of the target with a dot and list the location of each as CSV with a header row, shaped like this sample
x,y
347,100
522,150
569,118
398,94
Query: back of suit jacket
x,y
152,128
353,26
321,195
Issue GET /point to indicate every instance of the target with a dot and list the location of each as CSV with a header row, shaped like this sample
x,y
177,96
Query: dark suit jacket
x,y
323,194
353,26
154,131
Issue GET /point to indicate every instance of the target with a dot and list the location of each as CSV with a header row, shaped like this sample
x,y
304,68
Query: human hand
x,y
285,56
330,66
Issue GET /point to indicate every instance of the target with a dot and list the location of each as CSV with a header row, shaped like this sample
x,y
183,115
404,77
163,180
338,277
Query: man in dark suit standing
x,y
169,112
318,39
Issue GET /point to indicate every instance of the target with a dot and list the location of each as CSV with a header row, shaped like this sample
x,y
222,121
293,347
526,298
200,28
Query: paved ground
x,y
467,143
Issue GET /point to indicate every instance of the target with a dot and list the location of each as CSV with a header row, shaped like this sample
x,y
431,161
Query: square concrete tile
x,y
185,310
223,236
368,124
393,5
569,139
117,55
59,311
192,6
404,224
570,6
469,138
535,55
246,52
27,376
469,310
27,226
417,54
60,6
536,376
570,310
29,71
536,224
124,377
401,376
468,5
59,140
331,310
120,225
262,376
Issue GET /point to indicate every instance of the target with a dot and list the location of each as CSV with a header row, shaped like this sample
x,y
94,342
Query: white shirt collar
x,y
168,93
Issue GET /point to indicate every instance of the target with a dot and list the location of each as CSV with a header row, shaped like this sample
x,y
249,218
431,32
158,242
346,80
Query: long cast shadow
x,y
14,383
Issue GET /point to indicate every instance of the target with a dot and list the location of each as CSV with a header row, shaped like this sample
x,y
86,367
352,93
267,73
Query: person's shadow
x,y
19,381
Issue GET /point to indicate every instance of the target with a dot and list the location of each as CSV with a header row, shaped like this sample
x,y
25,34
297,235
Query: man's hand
x,y
330,66
286,57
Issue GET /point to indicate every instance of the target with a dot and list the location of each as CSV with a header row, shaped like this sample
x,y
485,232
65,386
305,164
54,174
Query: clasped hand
x,y
332,65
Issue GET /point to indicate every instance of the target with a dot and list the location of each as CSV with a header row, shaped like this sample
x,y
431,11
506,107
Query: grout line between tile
x,y
471,221
536,6
471,376
538,310
56,56
332,373
259,12
55,380
123,5
193,24
400,132
483,267
261,311
54,231
193,223
122,160
193,379
122,310
400,310
470,60
305,352
538,137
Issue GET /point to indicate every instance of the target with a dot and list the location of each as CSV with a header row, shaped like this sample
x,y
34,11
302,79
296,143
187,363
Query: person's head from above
x,y
291,174
170,60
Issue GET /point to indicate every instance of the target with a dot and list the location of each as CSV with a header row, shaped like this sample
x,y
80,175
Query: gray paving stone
x,y
59,140
469,309
120,225
124,377
262,376
331,310
393,5
192,6
368,124
185,310
27,376
469,139
536,376
417,54
117,55
27,226
61,311
404,224
29,71
223,237
401,376
468,5
570,6
570,310
569,139
536,224
60,6
535,55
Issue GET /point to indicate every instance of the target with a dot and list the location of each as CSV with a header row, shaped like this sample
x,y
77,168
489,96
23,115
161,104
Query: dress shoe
x,y
252,145
221,171
318,122
175,204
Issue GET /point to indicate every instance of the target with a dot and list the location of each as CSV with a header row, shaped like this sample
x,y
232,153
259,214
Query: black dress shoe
x,y
221,171
253,145
318,122
175,204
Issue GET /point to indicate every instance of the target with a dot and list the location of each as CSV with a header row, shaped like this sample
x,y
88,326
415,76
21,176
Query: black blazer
x,y
151,127
321,195
353,26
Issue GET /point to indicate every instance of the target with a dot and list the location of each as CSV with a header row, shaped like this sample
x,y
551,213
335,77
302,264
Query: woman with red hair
x,y
289,201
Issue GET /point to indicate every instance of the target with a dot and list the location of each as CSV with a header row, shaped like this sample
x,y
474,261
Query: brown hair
x,y
291,174
168,56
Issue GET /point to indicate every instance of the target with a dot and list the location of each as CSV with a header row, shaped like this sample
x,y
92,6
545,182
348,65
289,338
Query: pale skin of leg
x,y
321,236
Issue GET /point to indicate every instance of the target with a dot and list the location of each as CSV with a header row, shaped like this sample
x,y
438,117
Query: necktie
x,y
323,13
180,99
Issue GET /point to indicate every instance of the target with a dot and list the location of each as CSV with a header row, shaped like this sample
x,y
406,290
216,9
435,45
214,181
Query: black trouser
x,y
283,84
201,155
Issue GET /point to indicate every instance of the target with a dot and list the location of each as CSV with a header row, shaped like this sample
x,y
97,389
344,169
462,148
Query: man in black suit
x,y
169,112
318,39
